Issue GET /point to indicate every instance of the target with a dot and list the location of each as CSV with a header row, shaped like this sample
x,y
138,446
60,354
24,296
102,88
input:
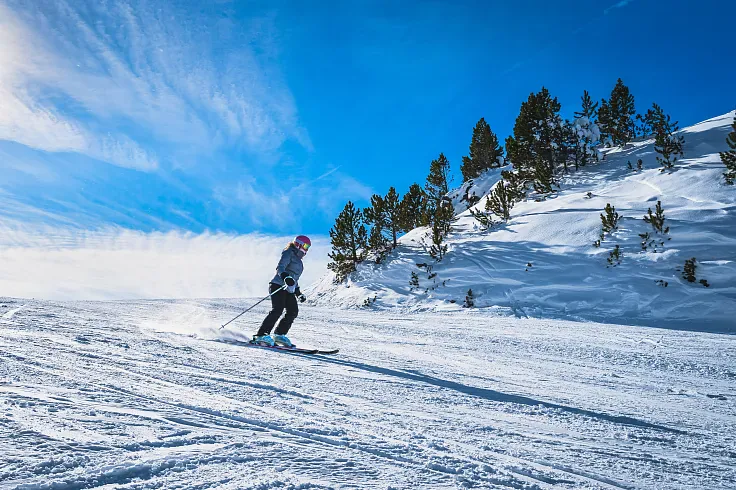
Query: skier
x,y
284,290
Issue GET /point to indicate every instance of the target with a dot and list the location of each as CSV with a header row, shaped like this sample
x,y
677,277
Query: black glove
x,y
288,280
300,296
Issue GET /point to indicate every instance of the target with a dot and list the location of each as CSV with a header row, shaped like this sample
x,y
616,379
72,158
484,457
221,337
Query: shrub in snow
x,y
662,283
616,116
688,271
615,256
666,144
729,157
414,282
639,165
349,240
610,219
469,300
657,220
485,152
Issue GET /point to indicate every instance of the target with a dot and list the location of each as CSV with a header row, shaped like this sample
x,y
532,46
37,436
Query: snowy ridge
x,y
568,277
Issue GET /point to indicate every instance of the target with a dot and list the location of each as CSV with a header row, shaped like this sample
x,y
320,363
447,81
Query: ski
x,y
297,350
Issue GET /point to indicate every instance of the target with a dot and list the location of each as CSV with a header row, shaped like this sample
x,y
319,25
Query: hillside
x,y
542,263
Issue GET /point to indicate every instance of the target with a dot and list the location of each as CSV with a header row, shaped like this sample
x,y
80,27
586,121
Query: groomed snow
x,y
141,395
543,264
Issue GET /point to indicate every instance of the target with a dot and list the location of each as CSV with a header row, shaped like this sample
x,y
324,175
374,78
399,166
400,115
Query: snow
x,y
568,277
140,395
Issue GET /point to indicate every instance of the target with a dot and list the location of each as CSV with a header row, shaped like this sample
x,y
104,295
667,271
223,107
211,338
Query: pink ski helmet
x,y
302,243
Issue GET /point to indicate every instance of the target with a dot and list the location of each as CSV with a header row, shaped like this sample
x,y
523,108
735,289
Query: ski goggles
x,y
303,246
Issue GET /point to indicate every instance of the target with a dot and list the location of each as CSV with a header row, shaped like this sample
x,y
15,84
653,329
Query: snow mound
x,y
542,263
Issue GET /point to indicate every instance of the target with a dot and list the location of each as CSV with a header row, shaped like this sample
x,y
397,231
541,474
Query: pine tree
x,y
438,183
384,215
584,133
375,217
590,109
485,152
729,157
349,240
616,116
441,227
657,220
515,185
535,146
413,209
666,143
392,210
500,201
610,219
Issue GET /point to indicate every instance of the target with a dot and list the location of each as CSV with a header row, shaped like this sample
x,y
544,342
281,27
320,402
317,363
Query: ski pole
x,y
246,311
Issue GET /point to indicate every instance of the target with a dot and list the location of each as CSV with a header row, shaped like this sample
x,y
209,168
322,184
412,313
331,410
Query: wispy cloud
x,y
63,264
618,5
107,79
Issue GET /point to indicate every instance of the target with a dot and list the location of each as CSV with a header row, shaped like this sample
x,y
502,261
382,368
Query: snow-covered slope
x,y
112,396
542,263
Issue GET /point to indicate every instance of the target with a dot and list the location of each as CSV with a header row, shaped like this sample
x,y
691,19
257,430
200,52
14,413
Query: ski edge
x,y
297,350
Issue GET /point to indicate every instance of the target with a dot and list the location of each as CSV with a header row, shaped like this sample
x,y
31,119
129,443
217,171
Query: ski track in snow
x,y
91,396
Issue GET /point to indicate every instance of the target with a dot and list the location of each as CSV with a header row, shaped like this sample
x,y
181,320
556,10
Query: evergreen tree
x,y
384,214
535,146
657,220
666,143
500,201
584,133
485,152
375,217
441,227
413,209
349,240
610,219
590,109
729,157
616,116
515,185
438,183
392,213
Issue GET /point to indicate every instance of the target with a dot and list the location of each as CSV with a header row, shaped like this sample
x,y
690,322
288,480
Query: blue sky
x,y
266,117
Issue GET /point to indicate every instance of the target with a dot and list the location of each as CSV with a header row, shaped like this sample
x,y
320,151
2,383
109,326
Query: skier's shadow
x,y
493,395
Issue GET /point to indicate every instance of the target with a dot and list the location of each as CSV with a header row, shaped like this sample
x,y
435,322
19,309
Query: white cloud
x,y
89,76
618,5
66,264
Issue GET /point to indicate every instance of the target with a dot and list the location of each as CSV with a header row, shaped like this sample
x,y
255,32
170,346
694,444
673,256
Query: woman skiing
x,y
284,290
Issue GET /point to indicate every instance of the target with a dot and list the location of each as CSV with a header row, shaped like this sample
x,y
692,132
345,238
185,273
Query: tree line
x,y
543,148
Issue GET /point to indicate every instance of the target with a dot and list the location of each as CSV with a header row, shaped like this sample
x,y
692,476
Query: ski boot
x,y
283,341
265,340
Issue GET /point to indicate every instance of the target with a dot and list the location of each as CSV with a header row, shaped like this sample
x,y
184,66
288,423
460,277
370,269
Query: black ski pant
x,y
283,300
